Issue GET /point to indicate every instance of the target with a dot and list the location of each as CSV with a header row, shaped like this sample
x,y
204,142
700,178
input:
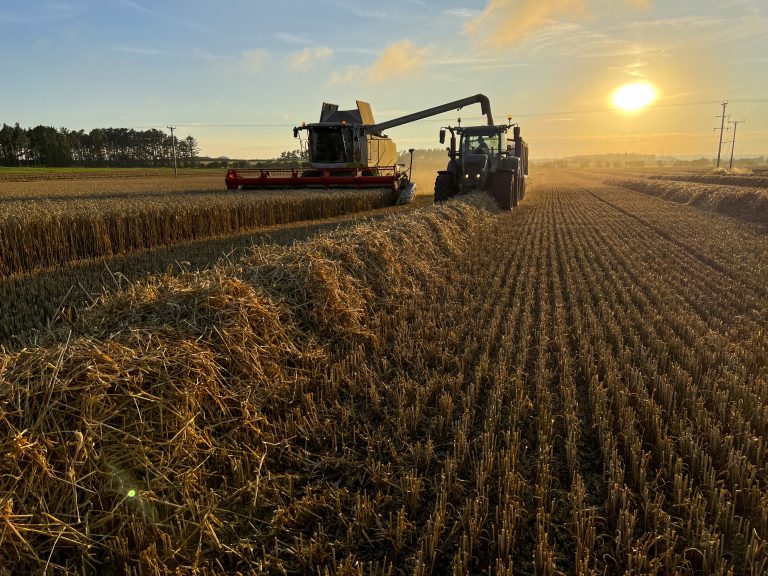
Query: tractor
x,y
487,160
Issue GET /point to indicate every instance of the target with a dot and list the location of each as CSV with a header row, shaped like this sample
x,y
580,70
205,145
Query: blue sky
x,y
135,63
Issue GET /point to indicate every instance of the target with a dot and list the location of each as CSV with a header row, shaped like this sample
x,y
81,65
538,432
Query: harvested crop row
x,y
54,232
30,302
450,391
746,203
750,181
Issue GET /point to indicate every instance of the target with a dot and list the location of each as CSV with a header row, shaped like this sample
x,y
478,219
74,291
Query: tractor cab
x,y
480,149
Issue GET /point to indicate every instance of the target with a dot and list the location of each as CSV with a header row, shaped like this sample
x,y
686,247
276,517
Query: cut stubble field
x,y
579,386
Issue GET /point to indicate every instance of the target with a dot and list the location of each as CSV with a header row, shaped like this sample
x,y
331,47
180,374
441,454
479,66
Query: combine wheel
x,y
445,187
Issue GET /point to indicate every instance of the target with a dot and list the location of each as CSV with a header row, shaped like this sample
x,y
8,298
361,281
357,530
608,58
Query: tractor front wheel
x,y
518,190
445,187
504,189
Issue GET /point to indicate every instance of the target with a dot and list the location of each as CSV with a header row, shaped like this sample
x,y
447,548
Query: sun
x,y
633,97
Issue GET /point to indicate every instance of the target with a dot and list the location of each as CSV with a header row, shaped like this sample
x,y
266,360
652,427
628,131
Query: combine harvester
x,y
485,159
347,149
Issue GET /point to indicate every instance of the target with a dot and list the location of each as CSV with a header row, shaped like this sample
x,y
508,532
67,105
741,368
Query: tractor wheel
x,y
504,189
444,186
523,180
518,187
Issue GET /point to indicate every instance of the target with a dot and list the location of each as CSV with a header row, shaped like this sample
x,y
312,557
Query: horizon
x,y
554,65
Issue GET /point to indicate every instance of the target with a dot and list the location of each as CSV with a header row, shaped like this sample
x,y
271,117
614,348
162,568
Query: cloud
x,y
253,60
399,60
205,55
140,50
290,38
49,11
305,58
356,7
462,12
508,22
576,41
178,21
678,23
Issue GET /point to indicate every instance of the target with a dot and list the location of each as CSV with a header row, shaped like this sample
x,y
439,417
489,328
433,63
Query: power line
x,y
441,118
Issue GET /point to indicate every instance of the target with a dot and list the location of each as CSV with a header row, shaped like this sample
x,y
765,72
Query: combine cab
x,y
347,149
485,159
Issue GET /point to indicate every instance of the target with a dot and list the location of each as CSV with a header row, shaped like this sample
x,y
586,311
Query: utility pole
x,y
724,104
733,141
173,147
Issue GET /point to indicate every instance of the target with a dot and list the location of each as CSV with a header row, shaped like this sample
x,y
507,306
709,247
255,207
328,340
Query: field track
x,y
579,386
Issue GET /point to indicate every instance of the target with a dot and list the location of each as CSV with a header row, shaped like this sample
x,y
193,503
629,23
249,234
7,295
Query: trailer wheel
x,y
444,186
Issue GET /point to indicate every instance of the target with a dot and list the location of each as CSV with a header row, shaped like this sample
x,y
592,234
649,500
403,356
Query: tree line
x,y
101,147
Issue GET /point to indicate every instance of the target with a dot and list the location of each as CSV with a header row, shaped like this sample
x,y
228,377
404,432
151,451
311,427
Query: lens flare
x,y
634,97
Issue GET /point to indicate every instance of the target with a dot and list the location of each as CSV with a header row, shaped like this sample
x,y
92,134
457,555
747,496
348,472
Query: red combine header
x,y
382,177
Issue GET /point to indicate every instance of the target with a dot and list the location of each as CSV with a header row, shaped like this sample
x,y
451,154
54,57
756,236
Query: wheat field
x,y
46,231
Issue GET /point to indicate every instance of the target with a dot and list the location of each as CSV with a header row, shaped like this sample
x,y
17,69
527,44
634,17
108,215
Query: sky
x,y
239,74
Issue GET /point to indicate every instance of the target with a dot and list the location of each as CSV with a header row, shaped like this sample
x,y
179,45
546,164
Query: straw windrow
x,y
171,427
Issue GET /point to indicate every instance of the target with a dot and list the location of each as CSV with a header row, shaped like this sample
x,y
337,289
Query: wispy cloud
x,y
398,60
571,39
388,12
290,38
141,50
168,18
205,55
310,55
462,12
253,60
48,11
420,3
357,8
508,22
682,22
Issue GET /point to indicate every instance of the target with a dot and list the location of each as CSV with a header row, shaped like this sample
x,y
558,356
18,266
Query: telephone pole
x,y
173,147
733,141
724,104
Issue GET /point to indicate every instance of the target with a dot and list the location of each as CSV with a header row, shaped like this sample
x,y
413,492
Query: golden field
x,y
579,386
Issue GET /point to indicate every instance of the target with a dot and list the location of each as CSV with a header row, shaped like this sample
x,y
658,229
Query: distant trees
x,y
101,147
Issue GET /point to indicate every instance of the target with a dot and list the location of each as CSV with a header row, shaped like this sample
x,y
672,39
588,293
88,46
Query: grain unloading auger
x,y
347,149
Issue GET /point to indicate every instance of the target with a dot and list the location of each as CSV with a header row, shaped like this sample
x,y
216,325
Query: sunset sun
x,y
633,97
